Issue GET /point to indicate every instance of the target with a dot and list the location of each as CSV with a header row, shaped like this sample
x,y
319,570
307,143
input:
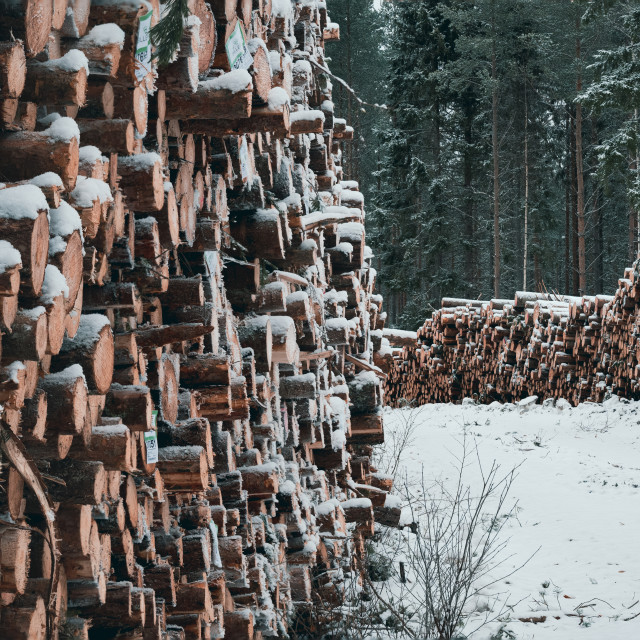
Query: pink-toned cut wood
x,y
121,297
59,13
212,100
260,72
26,20
30,236
76,18
131,403
262,119
66,401
110,136
34,416
69,261
131,103
28,338
10,278
93,349
183,468
25,622
104,58
207,46
24,154
99,101
142,181
110,444
12,69
59,82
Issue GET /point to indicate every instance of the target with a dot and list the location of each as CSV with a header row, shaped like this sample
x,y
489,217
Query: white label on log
x,y
154,419
151,443
143,47
236,46
243,153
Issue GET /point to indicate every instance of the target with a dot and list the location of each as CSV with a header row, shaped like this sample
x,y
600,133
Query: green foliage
x,y
167,33
379,567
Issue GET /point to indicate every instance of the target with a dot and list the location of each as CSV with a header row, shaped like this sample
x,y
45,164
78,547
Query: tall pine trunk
x,y
633,213
582,257
496,164
567,205
470,257
574,209
526,187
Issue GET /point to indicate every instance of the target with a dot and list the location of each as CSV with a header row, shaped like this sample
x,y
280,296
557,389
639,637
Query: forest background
x,y
508,155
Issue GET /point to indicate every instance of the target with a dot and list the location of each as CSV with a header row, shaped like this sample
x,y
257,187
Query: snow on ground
x,y
578,506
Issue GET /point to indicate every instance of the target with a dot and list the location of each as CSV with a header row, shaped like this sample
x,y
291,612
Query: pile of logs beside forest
x,y
188,322
538,344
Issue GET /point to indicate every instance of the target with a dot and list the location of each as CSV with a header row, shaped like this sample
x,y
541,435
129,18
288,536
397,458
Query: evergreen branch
x,y
166,35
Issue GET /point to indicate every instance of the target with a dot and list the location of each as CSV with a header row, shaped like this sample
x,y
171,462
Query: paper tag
x,y
151,443
243,154
236,47
143,47
154,419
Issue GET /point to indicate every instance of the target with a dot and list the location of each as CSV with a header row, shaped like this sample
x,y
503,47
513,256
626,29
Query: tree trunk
x,y
496,166
526,187
582,257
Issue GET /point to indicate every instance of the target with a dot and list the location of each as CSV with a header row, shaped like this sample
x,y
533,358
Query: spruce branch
x,y
166,35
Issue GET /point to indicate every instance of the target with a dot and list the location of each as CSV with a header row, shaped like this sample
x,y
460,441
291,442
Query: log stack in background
x,y
180,264
538,344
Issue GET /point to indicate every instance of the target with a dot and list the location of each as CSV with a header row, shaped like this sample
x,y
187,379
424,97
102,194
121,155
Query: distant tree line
x,y
508,157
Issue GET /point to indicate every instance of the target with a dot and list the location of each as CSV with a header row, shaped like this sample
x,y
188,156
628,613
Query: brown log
x,y
261,233
307,122
207,40
12,69
183,468
110,136
228,96
256,334
260,479
14,560
87,594
142,182
262,119
26,622
92,348
62,81
76,18
195,431
132,404
124,298
102,46
158,336
27,153
27,20
28,337
24,224
84,482
66,255
66,401
204,369
110,444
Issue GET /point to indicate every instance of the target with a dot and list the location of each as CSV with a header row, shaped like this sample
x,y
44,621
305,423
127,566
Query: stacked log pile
x,y
186,304
538,344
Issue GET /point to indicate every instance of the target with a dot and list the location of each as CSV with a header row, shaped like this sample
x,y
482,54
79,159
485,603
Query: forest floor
x,y
572,515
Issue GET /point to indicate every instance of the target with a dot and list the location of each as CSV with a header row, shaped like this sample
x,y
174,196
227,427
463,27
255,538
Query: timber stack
x,y
538,344
189,402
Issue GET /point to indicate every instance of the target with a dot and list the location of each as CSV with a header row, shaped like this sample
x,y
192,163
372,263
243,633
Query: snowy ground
x,y
577,514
